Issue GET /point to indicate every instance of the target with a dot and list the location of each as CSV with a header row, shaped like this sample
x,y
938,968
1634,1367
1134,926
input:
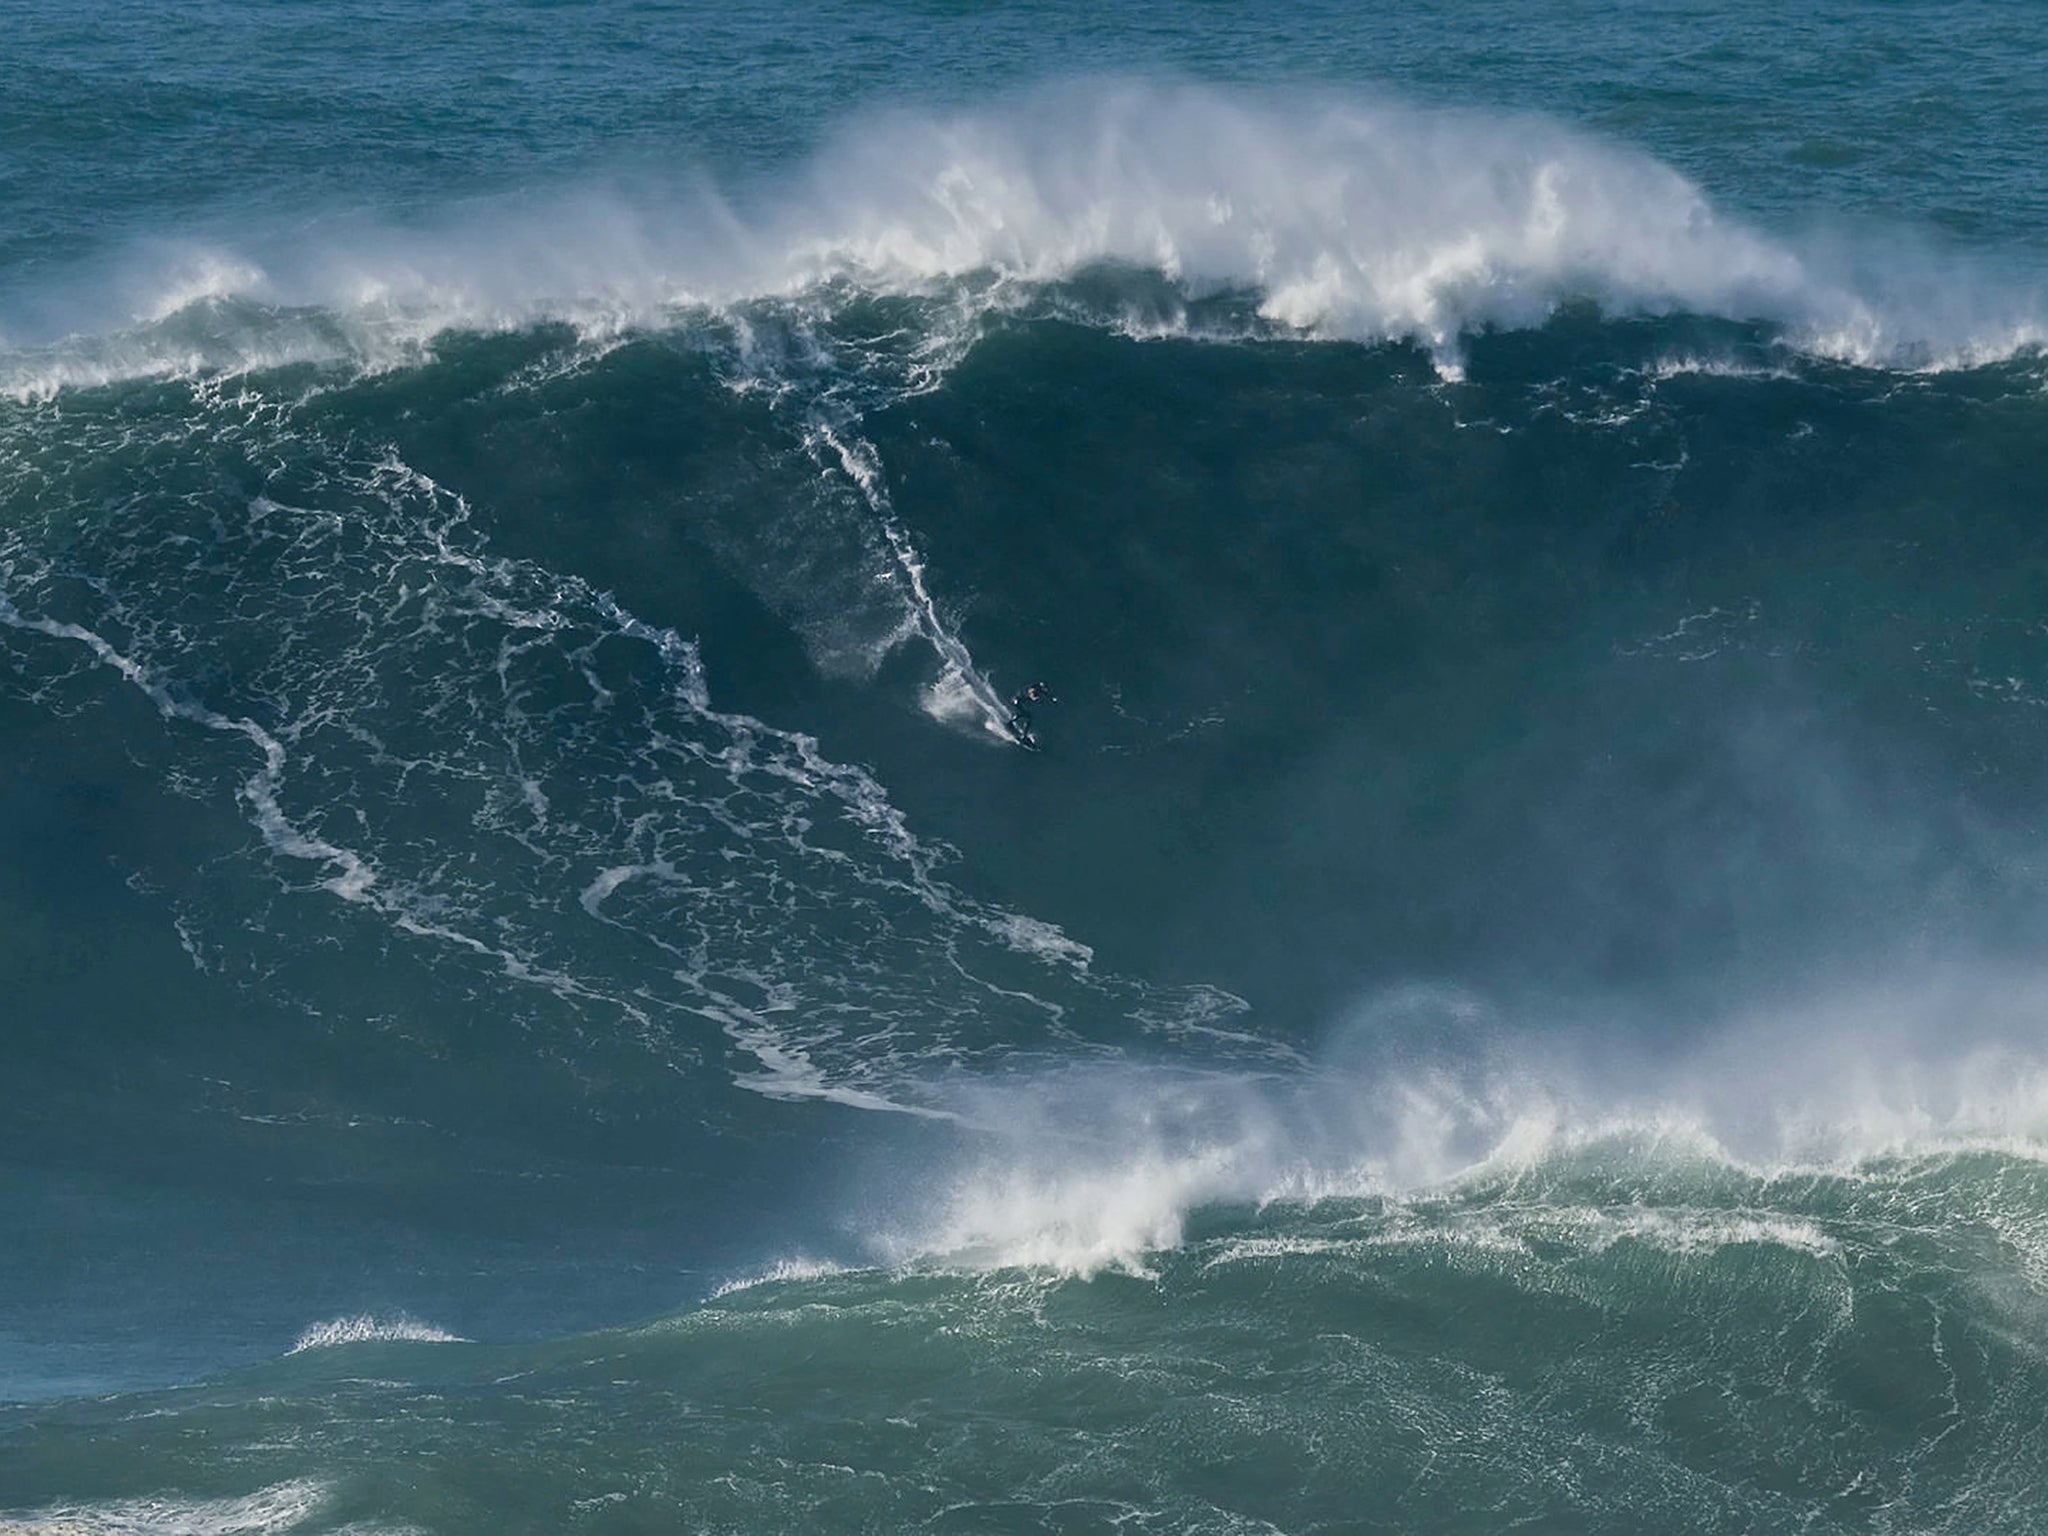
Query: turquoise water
x,y
539,995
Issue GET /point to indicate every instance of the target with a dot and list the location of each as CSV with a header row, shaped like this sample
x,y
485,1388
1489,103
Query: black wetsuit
x,y
1020,708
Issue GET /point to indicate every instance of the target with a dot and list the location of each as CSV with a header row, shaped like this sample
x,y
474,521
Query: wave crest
x,y
1334,217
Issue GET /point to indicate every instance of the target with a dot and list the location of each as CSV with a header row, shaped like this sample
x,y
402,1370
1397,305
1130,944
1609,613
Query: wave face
x,y
1510,991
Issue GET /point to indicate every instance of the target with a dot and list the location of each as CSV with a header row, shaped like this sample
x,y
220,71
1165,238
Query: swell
x,y
1335,217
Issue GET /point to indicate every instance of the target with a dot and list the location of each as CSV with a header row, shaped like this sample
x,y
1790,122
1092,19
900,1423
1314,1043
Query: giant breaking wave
x,y
1328,217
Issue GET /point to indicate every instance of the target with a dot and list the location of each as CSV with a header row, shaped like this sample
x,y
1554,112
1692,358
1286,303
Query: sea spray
x,y
1100,1167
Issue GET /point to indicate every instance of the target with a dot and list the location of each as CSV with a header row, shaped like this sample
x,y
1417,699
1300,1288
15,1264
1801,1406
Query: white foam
x,y
1260,1250
762,789
1034,936
201,275
351,877
787,1072
1710,1231
962,702
367,1329
1337,217
963,685
1090,1168
278,1508
1081,1220
607,881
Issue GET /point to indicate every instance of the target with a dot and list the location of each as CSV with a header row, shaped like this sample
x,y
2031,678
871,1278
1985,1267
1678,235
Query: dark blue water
x,y
540,994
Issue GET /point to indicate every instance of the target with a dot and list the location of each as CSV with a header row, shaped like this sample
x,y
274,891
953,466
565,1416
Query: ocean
x,y
538,992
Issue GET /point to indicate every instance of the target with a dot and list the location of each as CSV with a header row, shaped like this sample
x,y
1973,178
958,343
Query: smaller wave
x,y
367,1329
782,1271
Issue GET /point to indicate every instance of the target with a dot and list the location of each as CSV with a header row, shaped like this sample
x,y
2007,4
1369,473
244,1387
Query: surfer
x,y
1021,707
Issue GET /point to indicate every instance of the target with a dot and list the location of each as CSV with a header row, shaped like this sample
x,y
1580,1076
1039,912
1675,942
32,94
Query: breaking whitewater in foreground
x,y
1633,1331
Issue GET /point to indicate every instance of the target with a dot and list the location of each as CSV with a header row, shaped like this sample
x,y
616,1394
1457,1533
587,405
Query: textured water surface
x,y
540,995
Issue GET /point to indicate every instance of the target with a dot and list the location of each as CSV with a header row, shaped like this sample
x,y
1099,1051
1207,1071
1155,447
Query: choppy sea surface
x,y
536,993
